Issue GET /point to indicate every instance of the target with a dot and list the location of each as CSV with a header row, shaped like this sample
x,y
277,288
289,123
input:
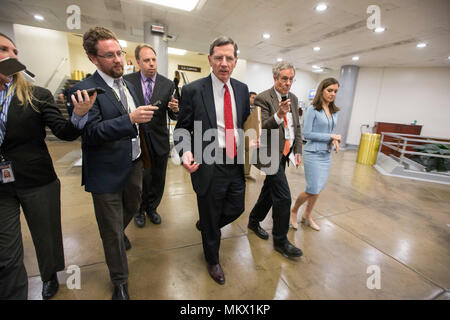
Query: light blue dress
x,y
317,129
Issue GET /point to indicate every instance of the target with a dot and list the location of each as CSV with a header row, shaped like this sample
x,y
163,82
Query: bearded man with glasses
x,y
114,148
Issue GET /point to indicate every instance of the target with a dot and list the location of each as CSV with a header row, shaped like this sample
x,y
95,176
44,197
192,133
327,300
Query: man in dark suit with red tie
x,y
152,87
218,106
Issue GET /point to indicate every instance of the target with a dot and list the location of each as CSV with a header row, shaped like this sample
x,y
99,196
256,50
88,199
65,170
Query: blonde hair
x,y
24,91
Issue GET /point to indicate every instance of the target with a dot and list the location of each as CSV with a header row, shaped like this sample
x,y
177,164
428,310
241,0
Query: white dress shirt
x,y
219,92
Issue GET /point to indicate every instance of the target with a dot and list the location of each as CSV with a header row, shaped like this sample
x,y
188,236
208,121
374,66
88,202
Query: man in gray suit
x,y
279,111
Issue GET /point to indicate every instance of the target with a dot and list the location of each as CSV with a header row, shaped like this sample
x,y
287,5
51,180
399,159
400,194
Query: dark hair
x,y
318,99
221,41
138,50
251,92
93,35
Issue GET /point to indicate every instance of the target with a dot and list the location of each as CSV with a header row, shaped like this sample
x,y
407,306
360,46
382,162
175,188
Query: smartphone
x,y
284,98
98,90
10,66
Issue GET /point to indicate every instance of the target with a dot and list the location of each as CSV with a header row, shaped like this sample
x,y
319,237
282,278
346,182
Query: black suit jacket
x,y
24,142
197,104
157,127
107,150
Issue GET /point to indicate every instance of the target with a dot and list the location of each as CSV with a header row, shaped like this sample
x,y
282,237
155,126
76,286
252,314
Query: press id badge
x,y
6,172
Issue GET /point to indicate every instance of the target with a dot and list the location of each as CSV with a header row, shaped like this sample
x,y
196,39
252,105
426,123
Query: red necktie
x,y
230,142
287,144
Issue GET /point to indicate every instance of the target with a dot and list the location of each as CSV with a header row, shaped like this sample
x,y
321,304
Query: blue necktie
x,y
149,91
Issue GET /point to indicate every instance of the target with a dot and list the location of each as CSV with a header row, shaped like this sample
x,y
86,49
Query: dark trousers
x,y
223,203
42,209
153,184
274,194
114,212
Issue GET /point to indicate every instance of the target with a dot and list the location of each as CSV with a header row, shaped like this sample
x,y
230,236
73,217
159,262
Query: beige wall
x,y
43,51
402,95
192,60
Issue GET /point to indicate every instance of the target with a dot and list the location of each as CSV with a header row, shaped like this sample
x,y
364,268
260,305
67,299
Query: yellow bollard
x,y
368,148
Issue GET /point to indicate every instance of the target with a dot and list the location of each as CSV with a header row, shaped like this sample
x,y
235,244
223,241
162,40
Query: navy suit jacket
x,y
197,104
107,158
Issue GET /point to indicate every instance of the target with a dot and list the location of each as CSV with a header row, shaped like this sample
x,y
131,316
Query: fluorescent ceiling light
x,y
123,43
179,52
38,17
321,7
280,59
449,57
266,36
239,51
355,58
421,45
380,29
316,48
318,70
315,67
187,5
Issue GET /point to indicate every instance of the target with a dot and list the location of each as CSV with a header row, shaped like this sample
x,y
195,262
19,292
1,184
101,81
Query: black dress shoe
x,y
127,242
260,232
287,249
139,220
216,272
197,225
121,292
49,288
155,218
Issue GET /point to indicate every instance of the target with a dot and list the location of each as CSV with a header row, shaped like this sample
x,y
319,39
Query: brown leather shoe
x,y
216,272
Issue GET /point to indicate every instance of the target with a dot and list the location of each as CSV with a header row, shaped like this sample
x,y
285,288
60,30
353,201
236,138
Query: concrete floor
x,y
401,226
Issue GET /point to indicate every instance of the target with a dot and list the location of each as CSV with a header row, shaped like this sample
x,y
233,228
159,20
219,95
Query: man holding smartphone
x,y
153,88
279,111
113,150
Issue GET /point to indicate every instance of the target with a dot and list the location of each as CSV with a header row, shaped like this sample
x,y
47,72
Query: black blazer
x,y
24,142
197,104
157,127
107,158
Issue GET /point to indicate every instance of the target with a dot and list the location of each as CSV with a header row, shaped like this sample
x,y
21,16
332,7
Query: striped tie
x,y
149,91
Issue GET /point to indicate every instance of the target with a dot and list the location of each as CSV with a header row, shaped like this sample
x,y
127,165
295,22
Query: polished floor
x,y
402,227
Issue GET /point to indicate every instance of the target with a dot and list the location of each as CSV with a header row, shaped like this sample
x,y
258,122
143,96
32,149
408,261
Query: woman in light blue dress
x,y
318,129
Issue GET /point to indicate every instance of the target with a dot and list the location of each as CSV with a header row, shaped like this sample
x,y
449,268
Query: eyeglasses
x,y
112,55
286,79
220,58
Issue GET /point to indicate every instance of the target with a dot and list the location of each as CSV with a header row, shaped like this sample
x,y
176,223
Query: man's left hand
x,y
173,105
298,159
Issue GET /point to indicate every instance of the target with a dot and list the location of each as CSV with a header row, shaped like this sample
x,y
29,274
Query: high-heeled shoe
x,y
310,224
294,222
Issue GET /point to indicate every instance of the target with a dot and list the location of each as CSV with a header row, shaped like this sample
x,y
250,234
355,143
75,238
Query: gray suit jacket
x,y
268,102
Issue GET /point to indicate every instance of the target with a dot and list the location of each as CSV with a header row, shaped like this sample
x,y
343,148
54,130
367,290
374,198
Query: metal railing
x,y
63,60
407,140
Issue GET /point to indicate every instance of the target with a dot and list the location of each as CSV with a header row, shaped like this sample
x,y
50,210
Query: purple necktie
x,y
148,91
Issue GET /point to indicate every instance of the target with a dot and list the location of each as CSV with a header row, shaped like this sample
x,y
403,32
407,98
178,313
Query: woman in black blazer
x,y
25,110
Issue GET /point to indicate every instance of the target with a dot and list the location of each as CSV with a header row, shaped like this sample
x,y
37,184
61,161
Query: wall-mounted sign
x,y
157,29
189,68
